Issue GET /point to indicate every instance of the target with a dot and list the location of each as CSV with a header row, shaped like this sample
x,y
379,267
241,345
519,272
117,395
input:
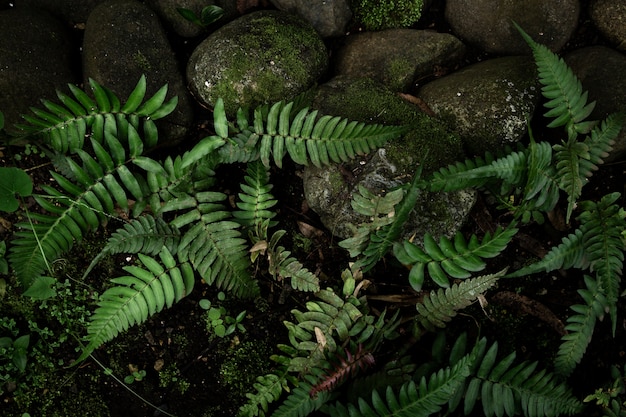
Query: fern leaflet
x,y
456,259
146,234
568,103
64,127
580,328
256,200
441,306
145,292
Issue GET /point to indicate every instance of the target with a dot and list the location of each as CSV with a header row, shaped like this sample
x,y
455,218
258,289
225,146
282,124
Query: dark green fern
x,y
146,291
457,259
64,127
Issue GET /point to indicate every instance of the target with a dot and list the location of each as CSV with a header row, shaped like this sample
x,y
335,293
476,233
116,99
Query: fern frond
x,y
300,403
284,266
383,239
602,225
439,307
542,186
268,389
505,388
511,168
567,101
321,141
64,126
580,328
380,210
143,293
146,234
456,259
214,246
568,163
423,399
600,141
569,253
100,186
256,200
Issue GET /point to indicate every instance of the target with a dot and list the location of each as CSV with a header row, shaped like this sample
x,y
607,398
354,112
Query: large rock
x,y
329,190
328,17
488,103
36,60
123,40
72,12
487,24
601,71
609,16
262,57
398,57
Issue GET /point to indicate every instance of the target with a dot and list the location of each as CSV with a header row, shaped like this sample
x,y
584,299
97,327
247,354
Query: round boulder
x,y
487,24
488,103
428,144
328,17
609,16
262,57
398,57
124,40
36,60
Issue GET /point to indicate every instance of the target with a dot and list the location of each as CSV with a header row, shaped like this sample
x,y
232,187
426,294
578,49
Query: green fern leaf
x,y
446,258
567,101
256,200
439,307
268,389
416,400
382,240
568,254
505,388
380,210
145,234
580,328
75,209
300,403
64,126
319,141
602,224
571,180
145,292
284,266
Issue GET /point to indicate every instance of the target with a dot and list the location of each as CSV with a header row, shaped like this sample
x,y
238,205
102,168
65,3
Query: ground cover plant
x,y
173,219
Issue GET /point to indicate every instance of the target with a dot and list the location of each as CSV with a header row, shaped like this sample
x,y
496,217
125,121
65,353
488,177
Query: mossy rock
x,y
489,104
429,143
262,57
387,14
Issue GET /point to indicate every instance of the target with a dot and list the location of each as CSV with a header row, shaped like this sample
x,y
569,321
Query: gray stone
x,y
609,16
398,57
35,61
601,71
328,17
488,103
166,9
123,40
487,24
72,12
261,57
329,190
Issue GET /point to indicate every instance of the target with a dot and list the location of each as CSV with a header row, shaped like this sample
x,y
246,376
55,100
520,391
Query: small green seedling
x,y
218,321
209,14
135,374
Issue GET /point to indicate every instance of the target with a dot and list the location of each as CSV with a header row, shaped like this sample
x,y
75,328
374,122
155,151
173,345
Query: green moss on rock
x,y
259,58
387,14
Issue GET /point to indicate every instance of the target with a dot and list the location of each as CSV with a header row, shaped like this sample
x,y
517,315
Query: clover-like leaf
x,y
13,181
